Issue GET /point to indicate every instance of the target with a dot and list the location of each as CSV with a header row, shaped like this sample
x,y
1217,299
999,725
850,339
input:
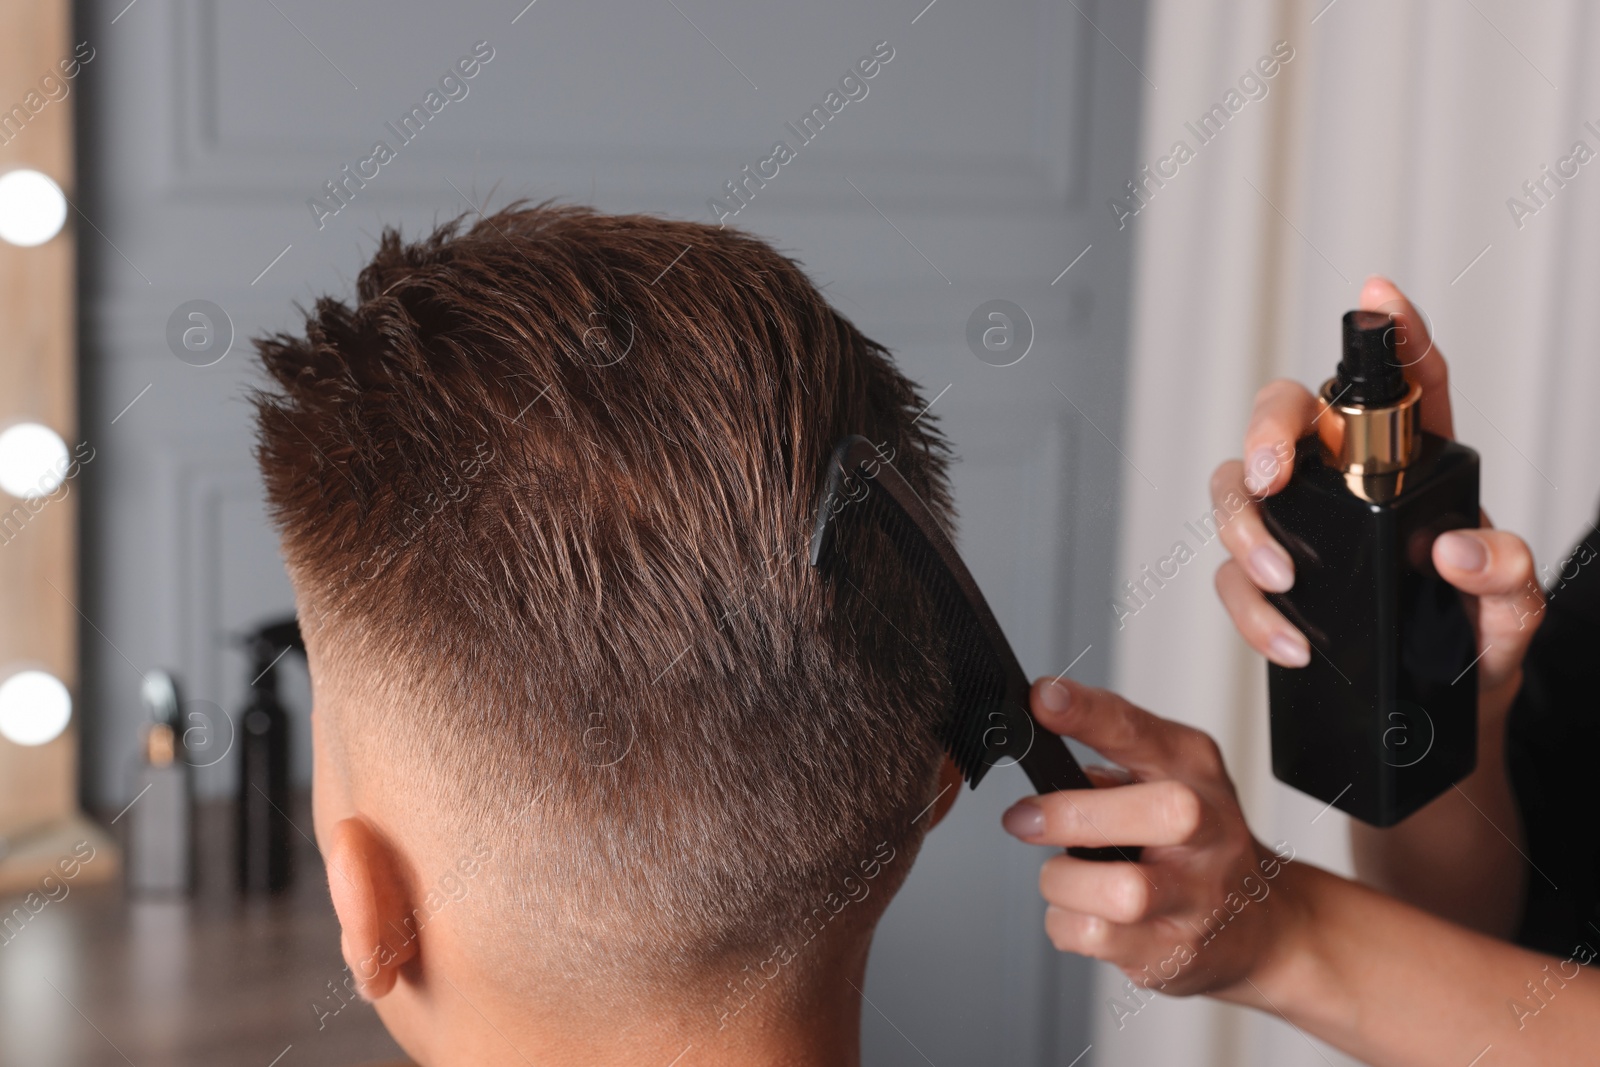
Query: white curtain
x,y
1391,142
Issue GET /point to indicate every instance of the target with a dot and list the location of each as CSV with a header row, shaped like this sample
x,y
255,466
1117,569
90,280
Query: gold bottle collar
x,y
1367,441
1373,446
161,745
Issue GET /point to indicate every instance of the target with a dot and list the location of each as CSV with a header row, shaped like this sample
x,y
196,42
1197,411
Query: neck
x,y
813,1021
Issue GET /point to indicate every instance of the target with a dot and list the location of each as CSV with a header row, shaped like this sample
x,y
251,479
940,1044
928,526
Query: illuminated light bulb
x,y
33,460
34,707
32,208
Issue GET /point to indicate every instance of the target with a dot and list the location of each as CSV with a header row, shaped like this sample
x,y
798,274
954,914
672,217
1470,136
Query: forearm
x,y
1461,856
1397,987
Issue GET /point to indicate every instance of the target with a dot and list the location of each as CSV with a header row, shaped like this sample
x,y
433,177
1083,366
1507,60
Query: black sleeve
x,y
1553,757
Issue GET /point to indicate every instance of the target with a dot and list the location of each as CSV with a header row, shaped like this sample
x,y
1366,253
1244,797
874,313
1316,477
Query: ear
x,y
950,782
371,900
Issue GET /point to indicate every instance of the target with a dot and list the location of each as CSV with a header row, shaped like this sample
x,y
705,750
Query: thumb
x,y
1497,568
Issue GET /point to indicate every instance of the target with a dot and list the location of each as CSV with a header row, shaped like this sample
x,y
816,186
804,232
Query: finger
x,y
1244,534
1163,812
1146,744
1095,937
1283,414
1497,567
1116,892
1423,362
1262,626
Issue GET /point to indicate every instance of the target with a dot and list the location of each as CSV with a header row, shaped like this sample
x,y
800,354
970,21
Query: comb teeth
x,y
974,726
985,692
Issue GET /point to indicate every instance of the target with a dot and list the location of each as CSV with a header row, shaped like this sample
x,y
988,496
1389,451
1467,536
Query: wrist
x,y
1295,975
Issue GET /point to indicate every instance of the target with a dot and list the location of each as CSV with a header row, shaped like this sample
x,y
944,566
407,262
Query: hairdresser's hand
x,y
1207,904
1495,566
1209,910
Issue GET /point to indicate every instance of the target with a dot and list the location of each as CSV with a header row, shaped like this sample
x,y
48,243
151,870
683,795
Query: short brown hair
x,y
558,470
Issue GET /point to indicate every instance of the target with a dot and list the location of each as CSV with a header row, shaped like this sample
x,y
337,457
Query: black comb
x,y
867,506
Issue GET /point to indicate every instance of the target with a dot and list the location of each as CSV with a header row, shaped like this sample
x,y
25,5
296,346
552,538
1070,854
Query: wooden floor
x,y
96,979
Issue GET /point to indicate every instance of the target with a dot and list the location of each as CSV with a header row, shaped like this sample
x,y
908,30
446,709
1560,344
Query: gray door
x,y
975,168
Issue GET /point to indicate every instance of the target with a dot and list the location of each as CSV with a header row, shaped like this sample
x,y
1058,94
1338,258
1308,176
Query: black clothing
x,y
1553,757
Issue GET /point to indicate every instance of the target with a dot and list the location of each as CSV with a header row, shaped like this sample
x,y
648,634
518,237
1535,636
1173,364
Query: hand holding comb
x,y
985,718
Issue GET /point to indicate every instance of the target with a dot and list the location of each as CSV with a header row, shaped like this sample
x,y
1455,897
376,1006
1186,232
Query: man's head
x,y
545,491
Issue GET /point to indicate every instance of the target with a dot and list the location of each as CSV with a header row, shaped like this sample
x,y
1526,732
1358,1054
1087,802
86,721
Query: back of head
x,y
545,491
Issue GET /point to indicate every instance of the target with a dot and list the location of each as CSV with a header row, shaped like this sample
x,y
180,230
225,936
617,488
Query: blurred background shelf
x,y
94,978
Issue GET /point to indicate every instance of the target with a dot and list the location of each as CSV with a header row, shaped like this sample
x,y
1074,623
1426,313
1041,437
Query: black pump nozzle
x,y
1370,375
266,644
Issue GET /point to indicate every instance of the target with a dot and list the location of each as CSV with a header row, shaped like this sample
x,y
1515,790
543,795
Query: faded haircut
x,y
553,474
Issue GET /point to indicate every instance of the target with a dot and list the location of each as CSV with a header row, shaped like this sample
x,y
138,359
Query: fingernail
x,y
1463,551
1272,567
1056,697
1289,651
1024,819
1259,469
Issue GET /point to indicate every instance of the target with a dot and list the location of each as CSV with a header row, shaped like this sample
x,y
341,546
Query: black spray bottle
x,y
264,796
1384,718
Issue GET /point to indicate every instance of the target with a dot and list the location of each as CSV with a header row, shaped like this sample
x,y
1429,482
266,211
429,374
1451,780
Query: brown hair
x,y
557,470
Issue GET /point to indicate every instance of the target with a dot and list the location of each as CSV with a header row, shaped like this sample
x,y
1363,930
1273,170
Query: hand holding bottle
x,y
1494,565
1448,841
